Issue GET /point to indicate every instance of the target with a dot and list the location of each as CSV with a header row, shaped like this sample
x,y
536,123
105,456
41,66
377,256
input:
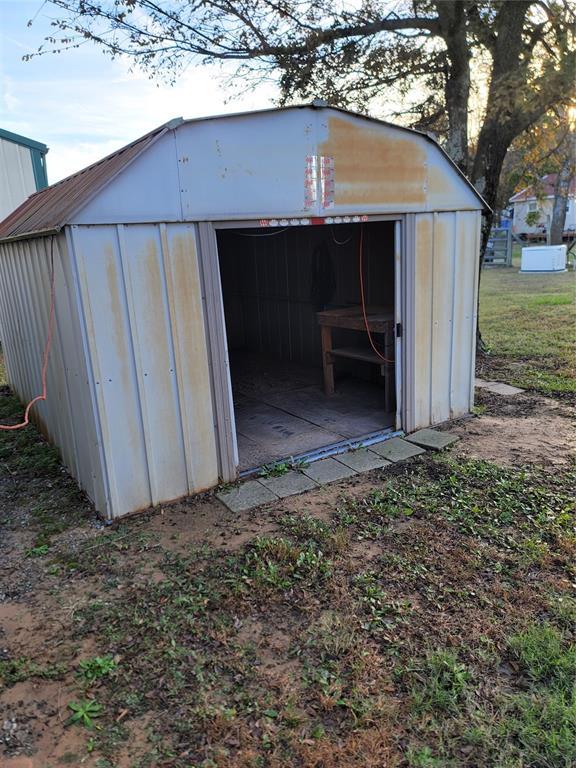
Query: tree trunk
x,y
561,191
452,18
488,162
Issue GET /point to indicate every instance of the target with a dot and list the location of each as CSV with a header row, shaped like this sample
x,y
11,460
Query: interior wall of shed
x,y
275,281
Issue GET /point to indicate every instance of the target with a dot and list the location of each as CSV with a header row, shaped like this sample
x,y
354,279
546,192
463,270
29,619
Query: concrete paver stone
x,y
245,496
396,449
432,439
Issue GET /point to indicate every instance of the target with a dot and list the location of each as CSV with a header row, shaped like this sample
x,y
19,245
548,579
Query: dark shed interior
x,y
275,281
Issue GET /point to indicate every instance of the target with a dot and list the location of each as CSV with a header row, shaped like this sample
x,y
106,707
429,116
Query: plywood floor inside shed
x,y
282,411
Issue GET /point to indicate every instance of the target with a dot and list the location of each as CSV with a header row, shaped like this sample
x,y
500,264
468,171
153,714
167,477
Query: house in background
x,y
22,169
532,208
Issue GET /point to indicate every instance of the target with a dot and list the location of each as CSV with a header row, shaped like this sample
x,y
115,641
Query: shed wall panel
x,y
444,311
144,318
424,261
444,250
293,163
180,254
464,324
66,417
16,176
146,190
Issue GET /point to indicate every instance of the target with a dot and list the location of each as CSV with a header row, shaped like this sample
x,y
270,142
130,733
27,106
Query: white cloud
x,y
84,105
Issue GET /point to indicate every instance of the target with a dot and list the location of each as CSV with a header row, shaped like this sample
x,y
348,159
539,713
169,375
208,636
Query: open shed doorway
x,y
305,373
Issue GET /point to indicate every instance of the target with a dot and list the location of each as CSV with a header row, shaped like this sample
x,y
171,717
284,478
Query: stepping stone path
x,y
497,387
254,492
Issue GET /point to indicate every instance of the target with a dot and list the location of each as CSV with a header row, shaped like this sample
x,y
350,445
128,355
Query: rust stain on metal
x,y
372,166
156,327
439,183
120,341
116,306
193,357
156,333
423,303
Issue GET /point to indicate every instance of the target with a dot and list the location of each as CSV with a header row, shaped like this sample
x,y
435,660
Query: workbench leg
x,y
327,364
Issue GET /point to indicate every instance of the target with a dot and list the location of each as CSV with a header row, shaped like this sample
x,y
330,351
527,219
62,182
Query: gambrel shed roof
x,y
255,164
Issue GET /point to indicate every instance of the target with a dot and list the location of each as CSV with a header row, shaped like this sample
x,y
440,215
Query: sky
x,y
83,105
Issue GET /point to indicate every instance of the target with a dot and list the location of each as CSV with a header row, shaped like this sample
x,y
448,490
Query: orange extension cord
x,y
361,269
47,347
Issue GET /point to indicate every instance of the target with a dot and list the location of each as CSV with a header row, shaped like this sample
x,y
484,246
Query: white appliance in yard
x,y
543,258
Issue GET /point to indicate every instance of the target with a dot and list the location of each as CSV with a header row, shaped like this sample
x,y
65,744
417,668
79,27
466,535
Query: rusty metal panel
x,y
446,260
290,165
189,340
155,368
442,289
143,307
423,275
463,331
378,167
375,166
66,417
103,292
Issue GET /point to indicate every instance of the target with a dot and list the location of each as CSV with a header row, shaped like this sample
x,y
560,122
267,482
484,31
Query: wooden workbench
x,y
381,324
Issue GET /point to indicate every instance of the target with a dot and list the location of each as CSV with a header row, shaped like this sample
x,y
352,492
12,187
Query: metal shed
x,y
212,281
22,169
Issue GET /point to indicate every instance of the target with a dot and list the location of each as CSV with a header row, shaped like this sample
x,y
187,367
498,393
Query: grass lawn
x,y
420,616
528,322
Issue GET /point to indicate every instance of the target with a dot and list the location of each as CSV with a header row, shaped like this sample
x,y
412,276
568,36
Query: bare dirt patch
x,y
518,430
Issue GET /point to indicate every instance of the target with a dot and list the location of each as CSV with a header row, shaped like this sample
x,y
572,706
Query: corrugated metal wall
x,y
67,416
444,273
274,284
142,299
16,176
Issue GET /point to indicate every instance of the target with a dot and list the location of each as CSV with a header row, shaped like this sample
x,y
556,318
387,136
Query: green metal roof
x,y
23,140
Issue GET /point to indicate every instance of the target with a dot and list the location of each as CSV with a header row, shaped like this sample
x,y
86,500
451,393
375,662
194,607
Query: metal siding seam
x,y
95,397
11,360
399,251
432,296
18,384
454,285
24,323
5,333
476,284
13,291
39,317
409,322
452,278
58,368
170,345
83,475
208,261
173,325
175,138
134,344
